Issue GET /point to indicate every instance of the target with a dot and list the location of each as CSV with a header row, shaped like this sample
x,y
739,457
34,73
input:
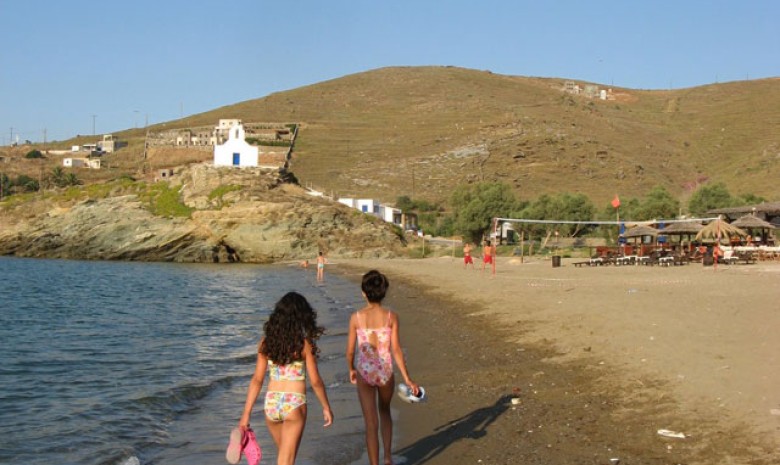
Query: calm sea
x,y
140,363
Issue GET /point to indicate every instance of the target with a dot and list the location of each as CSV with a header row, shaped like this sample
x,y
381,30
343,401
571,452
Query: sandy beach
x,y
567,365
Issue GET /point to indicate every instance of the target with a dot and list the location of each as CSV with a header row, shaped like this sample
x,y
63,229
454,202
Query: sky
x,y
70,67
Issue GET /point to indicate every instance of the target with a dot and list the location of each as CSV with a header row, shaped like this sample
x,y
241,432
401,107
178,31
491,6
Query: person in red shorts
x,y
467,260
489,256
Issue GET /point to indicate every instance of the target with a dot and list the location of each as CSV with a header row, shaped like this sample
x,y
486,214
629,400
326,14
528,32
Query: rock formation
x,y
245,215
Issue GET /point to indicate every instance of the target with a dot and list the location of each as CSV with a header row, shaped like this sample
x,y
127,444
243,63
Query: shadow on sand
x,y
471,426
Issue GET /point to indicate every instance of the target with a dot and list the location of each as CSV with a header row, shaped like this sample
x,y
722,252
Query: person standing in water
x,y
374,341
321,267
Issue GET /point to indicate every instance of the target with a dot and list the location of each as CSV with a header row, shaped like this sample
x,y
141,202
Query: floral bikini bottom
x,y
279,404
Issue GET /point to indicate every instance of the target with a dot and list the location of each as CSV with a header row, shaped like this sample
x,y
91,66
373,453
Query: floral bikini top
x,y
293,371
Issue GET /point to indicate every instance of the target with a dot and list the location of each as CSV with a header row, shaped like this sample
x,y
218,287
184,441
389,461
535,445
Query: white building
x,y
235,151
373,207
93,163
370,206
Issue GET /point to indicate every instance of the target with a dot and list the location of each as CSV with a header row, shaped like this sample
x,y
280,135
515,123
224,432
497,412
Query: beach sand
x,y
566,365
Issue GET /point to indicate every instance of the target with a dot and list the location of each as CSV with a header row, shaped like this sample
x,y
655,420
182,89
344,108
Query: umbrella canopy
x,y
682,228
641,230
719,229
752,222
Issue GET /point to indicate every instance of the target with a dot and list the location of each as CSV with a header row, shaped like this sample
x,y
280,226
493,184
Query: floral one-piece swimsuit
x,y
374,362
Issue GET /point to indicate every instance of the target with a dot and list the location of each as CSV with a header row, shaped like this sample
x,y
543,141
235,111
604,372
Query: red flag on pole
x,y
615,202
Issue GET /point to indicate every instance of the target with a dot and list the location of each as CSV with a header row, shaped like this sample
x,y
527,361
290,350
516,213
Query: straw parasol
x,y
640,231
753,222
719,229
682,228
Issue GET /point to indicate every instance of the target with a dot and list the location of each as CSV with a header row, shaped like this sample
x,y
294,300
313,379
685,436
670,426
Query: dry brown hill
x,y
420,131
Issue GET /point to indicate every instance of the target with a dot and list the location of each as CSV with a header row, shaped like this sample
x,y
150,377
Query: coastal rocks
x,y
240,215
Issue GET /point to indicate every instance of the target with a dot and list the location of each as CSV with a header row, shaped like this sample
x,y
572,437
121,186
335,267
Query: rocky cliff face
x,y
242,215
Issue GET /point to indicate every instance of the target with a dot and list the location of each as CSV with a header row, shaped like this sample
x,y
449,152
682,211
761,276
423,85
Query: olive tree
x,y
475,205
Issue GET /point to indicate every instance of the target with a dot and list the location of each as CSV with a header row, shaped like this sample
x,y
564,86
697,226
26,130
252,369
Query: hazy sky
x,y
68,64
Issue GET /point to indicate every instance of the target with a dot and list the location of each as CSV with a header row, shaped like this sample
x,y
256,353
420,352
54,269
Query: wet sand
x,y
543,365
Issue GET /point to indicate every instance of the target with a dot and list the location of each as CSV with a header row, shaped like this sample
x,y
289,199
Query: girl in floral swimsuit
x,y
288,352
374,341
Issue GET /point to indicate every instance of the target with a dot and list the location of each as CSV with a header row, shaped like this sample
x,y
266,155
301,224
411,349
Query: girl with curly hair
x,y
374,341
288,352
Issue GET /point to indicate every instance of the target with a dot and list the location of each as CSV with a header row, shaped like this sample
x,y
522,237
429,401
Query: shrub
x,y
164,200
34,154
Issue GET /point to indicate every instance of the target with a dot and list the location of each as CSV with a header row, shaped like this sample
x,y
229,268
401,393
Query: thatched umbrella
x,y
718,229
751,222
682,228
640,231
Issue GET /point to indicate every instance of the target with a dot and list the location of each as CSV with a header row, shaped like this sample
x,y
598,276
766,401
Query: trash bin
x,y
707,260
556,261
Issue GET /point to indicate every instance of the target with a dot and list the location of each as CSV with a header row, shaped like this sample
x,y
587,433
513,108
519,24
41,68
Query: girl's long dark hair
x,y
292,322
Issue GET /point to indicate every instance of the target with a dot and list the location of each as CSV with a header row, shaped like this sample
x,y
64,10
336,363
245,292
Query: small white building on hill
x,y
374,207
235,151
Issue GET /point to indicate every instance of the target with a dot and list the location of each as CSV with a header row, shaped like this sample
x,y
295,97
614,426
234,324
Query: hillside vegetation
x,y
421,131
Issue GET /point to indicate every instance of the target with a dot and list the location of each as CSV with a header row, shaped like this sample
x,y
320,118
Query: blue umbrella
x,y
661,239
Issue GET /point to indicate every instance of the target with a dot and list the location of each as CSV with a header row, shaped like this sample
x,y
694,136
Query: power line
x,y
528,221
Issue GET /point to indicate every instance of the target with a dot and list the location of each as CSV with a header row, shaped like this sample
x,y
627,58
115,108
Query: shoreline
x,y
598,361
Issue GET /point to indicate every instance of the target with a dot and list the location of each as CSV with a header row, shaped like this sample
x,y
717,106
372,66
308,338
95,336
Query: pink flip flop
x,y
235,446
251,449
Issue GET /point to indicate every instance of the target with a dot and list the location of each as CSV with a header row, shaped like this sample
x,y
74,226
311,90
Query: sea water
x,y
122,363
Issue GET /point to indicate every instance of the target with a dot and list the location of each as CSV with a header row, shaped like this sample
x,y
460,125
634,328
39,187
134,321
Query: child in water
x,y
288,351
375,335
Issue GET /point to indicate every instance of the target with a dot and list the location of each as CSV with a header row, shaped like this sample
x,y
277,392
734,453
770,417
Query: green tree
x,y
628,210
34,154
404,203
564,207
657,204
475,205
709,197
747,199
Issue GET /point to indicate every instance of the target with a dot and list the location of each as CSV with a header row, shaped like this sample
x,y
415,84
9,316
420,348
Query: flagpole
x,y
617,215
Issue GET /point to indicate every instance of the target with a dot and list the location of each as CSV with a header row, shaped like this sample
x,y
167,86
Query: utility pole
x,y
44,139
93,124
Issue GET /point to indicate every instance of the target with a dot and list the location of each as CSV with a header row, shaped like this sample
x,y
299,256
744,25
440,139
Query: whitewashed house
x,y
92,163
391,214
369,206
235,151
373,207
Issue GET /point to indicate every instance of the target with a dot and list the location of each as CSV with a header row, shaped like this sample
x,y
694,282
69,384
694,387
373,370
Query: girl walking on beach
x,y
288,351
374,336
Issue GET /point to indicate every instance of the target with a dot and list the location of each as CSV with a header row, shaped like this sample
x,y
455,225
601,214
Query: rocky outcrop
x,y
242,215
